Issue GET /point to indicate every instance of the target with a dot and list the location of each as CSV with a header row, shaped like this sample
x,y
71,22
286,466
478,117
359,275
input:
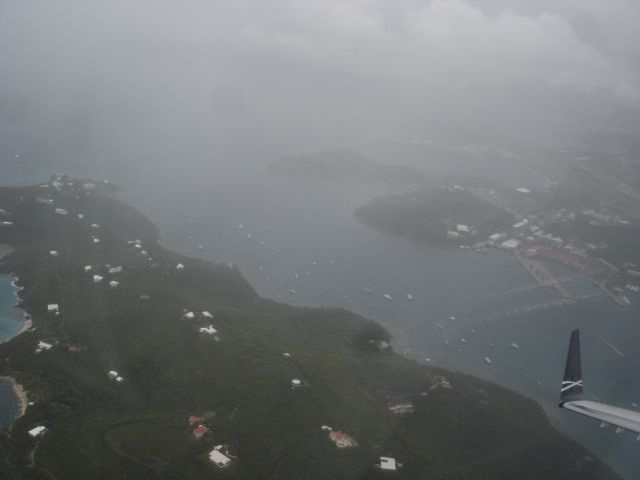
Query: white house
x,y
114,283
39,430
97,278
462,228
179,266
510,244
388,463
219,458
53,307
208,330
520,224
44,345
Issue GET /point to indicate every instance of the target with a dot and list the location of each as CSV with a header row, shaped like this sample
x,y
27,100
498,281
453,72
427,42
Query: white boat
x,y
463,340
388,297
409,296
514,346
488,361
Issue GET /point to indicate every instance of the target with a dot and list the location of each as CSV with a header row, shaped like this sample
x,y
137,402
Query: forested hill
x,y
126,304
435,216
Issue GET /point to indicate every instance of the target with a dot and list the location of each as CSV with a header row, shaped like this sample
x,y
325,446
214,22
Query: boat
x,y
514,346
488,361
388,297
409,297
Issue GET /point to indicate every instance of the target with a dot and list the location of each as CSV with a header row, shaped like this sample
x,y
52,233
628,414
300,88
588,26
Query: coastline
x,y
27,323
19,392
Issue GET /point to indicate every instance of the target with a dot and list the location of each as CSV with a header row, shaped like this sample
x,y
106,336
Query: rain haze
x,y
466,174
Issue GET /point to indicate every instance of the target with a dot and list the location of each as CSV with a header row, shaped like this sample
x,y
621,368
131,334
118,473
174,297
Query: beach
x,y
20,394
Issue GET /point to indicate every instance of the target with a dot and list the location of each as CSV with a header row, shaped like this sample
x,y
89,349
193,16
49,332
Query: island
x,y
143,363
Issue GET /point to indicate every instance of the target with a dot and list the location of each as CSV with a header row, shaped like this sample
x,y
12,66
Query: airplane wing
x,y
571,394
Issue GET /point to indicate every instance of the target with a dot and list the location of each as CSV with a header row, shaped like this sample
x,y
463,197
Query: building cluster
x,y
115,376
528,238
204,315
340,439
460,230
400,408
440,381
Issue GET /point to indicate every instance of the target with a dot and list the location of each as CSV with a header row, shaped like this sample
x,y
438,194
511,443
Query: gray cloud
x,y
153,78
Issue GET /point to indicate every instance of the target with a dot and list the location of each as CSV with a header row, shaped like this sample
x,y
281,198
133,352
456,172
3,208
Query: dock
x,y
542,275
619,299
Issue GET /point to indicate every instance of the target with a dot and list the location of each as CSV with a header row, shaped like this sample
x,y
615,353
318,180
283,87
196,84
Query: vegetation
x,y
240,382
432,216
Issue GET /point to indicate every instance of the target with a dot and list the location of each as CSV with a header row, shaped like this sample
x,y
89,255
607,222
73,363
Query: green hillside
x,y
238,380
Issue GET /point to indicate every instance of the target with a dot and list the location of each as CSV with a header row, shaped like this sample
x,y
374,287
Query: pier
x,y
542,275
619,299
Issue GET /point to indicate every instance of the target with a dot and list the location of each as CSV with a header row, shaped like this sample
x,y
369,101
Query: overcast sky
x,y
153,78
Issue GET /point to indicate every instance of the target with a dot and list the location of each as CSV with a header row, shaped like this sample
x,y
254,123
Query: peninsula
x,y
437,215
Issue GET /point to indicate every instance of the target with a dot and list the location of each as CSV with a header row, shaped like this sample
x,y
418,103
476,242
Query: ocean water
x,y
11,321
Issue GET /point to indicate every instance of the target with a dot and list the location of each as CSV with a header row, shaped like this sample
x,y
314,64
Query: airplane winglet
x,y
571,388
